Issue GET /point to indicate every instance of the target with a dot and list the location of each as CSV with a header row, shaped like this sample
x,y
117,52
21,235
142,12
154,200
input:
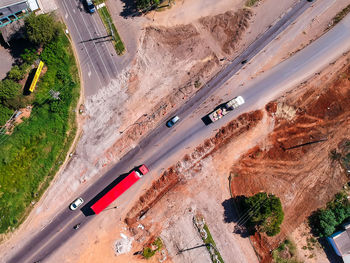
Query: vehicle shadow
x,y
206,120
29,81
86,209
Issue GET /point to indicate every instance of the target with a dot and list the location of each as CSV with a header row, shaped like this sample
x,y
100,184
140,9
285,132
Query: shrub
x,y
29,55
5,114
8,89
15,73
148,252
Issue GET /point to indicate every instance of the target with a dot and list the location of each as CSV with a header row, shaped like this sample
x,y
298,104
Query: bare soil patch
x,y
293,162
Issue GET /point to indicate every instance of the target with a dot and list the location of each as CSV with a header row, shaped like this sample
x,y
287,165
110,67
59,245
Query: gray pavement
x,y
6,62
98,59
191,129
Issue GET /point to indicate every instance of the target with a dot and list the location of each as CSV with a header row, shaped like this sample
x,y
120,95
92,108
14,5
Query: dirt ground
x,y
177,52
293,161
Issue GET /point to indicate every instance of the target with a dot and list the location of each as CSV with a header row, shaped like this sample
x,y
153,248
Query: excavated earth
x,y
294,161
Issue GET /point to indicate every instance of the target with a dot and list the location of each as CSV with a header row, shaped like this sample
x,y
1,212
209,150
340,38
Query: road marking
x,y
81,39
89,73
66,16
54,236
99,32
98,51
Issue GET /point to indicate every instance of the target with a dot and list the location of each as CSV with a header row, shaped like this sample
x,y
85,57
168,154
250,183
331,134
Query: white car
x,y
76,204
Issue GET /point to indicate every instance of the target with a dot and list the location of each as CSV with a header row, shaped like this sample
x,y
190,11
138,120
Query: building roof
x,y
6,3
342,241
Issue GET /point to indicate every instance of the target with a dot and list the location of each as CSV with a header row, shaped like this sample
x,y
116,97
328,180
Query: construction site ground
x,y
174,51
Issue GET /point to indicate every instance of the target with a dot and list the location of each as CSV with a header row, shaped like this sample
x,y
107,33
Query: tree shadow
x,y
232,211
130,9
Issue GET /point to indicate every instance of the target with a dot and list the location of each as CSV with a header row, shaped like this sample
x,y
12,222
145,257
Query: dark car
x,y
90,6
170,123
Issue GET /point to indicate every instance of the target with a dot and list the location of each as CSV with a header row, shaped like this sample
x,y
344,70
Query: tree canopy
x,y
265,213
41,29
8,89
142,4
325,221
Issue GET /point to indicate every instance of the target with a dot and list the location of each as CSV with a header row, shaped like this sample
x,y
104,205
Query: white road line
x,y
93,65
54,236
108,49
96,47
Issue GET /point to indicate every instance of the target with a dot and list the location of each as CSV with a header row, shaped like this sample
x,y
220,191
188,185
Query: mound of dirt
x,y
227,28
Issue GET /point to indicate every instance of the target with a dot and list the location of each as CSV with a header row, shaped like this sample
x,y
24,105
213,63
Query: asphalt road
x,y
98,59
190,129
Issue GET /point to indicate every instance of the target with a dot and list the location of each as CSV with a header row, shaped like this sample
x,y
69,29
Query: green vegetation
x,y
324,222
209,241
41,29
251,3
37,147
285,253
265,213
149,252
341,15
111,30
143,4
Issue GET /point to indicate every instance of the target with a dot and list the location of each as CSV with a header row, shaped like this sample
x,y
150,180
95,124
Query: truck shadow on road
x,y
206,118
86,209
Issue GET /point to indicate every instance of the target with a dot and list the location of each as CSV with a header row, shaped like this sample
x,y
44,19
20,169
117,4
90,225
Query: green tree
x,y
142,4
5,114
8,89
15,73
327,222
265,213
41,29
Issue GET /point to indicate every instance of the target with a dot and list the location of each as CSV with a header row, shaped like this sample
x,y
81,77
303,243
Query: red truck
x,y
119,189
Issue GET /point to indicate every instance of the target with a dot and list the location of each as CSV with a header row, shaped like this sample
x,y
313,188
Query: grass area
x,y
341,15
210,240
107,21
285,253
31,156
251,3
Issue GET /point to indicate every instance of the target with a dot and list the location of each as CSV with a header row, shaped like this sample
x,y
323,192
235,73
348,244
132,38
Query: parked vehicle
x,y
170,123
76,203
119,189
223,110
76,226
90,6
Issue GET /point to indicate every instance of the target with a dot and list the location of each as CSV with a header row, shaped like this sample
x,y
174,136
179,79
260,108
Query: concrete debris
x,y
164,257
123,245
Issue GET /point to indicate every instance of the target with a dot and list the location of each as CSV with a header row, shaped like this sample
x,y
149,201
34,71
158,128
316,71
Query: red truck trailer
x,y
119,189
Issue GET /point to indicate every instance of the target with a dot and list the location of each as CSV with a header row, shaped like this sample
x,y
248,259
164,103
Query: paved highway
x,y
98,59
266,87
